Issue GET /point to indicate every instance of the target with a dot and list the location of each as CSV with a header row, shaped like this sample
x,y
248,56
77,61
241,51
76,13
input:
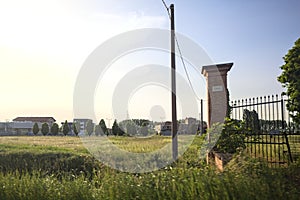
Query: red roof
x,y
34,119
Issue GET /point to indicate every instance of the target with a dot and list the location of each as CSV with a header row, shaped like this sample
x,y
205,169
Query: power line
x,y
181,57
185,68
167,8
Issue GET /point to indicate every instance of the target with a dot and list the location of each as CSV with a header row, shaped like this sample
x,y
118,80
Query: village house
x,y
23,125
38,120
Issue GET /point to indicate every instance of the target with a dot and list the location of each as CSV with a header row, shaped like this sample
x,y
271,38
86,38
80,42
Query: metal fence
x,y
270,132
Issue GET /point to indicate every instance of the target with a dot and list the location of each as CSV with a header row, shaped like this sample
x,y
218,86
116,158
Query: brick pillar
x,y
216,84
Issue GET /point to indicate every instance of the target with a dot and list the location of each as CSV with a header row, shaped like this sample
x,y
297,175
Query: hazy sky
x,y
43,45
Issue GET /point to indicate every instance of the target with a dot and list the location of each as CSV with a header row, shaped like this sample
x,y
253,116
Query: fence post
x,y
201,118
284,131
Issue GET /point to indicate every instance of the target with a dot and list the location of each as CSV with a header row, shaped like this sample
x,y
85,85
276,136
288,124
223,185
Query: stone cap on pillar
x,y
217,69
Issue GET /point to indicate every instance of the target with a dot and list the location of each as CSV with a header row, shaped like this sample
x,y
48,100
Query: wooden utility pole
x,y
173,80
201,117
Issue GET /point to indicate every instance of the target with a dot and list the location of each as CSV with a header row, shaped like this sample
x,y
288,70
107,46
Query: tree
x,y
65,128
144,130
129,126
141,122
251,121
103,127
75,128
98,130
54,129
121,132
116,130
45,128
291,81
89,127
35,129
131,129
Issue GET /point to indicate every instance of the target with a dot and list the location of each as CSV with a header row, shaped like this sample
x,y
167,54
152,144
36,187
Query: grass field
x,y
41,144
61,168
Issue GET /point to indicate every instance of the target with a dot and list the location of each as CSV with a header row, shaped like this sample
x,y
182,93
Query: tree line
x,y
54,129
132,127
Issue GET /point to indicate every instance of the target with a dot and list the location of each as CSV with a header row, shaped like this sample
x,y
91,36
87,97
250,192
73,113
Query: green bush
x,y
231,138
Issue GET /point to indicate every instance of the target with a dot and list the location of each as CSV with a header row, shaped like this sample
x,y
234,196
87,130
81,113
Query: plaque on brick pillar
x,y
217,92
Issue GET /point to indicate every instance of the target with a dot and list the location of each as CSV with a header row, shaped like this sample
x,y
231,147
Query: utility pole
x,y
173,80
201,117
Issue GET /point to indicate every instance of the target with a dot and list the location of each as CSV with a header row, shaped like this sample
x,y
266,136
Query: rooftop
x,y
34,119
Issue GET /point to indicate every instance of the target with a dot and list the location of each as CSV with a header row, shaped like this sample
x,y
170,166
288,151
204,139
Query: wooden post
x,y
173,80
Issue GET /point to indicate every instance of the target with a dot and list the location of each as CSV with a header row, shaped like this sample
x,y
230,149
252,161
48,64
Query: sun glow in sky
x,y
43,45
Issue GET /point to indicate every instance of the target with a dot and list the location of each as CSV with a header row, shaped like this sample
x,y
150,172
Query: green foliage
x,y
116,130
89,127
103,127
121,132
35,129
131,128
168,183
290,80
144,130
135,127
75,128
229,109
54,129
65,128
56,161
57,174
251,121
141,122
231,138
45,128
266,125
98,130
128,126
40,187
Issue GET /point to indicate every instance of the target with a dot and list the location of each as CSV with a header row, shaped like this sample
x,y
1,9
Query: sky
x,y
43,45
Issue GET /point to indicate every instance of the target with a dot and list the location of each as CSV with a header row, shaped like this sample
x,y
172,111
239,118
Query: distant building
x,y
5,128
15,128
190,120
164,128
38,120
187,126
23,125
82,123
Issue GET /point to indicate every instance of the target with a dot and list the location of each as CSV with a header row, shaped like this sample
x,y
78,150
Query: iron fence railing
x,y
272,134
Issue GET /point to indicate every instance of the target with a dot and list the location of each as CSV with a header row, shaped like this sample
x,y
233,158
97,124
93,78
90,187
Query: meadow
x,y
38,167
